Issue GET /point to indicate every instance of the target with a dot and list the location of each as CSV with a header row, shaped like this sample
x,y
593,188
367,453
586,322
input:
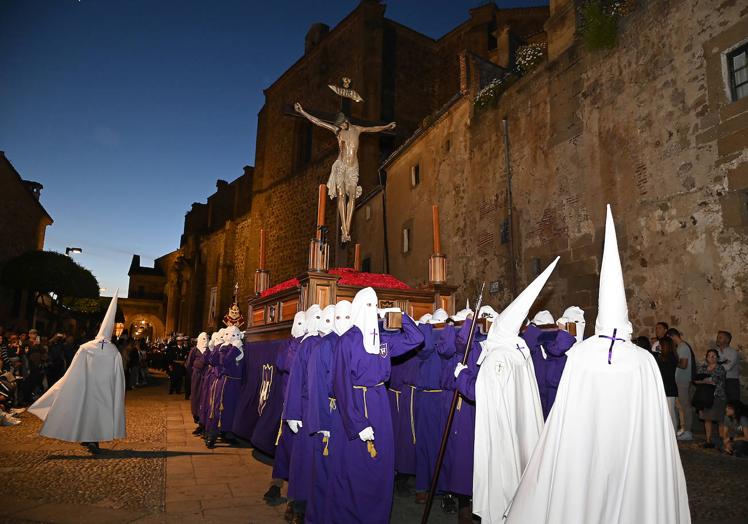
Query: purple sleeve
x,y
402,342
463,334
319,387
191,360
446,345
354,420
565,340
531,336
294,392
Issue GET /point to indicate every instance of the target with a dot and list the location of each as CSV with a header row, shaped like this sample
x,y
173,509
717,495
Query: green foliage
x,y
600,24
50,272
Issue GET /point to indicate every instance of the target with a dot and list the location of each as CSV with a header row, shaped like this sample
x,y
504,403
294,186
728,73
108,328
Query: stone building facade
x,y
651,127
402,75
23,225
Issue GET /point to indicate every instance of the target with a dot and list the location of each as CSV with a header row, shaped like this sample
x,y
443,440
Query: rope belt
x,y
369,443
430,390
397,398
459,402
412,419
333,404
280,430
326,442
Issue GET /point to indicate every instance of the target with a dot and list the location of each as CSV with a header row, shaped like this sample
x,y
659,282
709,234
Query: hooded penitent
x,y
439,317
543,318
509,417
627,469
202,342
233,337
327,322
365,318
343,319
299,325
88,403
313,318
574,315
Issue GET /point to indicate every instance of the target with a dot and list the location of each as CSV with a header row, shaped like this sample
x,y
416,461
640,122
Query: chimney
x,y
34,187
315,35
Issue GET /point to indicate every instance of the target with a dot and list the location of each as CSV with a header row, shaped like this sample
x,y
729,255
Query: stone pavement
x,y
162,474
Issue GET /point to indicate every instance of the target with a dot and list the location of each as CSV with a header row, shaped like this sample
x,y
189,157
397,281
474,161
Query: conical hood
x,y
511,319
107,325
612,312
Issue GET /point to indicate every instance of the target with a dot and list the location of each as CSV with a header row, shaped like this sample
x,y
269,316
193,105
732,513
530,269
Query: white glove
x,y
458,369
366,434
294,425
324,433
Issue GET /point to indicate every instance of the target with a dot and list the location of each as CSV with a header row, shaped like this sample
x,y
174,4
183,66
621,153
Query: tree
x,y
47,272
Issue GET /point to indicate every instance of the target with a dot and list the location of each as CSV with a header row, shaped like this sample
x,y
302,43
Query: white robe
x,y
508,423
608,452
88,403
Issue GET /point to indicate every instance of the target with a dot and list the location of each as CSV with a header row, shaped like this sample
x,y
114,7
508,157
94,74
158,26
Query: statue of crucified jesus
x,y
343,181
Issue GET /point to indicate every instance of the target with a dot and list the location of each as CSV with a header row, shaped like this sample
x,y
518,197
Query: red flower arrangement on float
x,y
348,277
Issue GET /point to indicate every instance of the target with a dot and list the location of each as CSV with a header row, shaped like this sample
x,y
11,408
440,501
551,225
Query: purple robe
x,y
548,369
457,472
322,410
286,438
297,407
210,375
361,474
195,366
225,390
402,405
430,415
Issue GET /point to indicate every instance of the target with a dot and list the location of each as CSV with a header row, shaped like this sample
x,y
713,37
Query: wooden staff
x,y
262,248
321,201
450,418
357,257
435,220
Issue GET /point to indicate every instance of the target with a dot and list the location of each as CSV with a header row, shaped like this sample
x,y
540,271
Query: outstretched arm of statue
x,y
377,129
313,119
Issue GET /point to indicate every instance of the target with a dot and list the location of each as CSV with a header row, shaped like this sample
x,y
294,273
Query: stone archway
x,y
151,326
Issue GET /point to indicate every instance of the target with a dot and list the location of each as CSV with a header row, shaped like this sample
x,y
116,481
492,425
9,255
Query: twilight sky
x,y
129,110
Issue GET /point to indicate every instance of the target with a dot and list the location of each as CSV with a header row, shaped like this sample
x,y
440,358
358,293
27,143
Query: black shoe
x,y
93,447
272,496
199,430
298,518
449,504
210,443
401,486
288,515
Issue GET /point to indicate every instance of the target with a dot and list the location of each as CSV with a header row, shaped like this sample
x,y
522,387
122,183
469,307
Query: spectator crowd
x,y
31,363
708,389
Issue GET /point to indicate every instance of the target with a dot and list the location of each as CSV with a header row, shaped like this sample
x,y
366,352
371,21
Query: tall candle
x,y
435,218
321,209
357,258
262,248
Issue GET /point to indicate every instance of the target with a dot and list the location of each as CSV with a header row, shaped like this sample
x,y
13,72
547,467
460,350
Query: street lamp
x,y
73,250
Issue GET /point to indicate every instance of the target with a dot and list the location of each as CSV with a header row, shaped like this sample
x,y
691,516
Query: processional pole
x,y
450,418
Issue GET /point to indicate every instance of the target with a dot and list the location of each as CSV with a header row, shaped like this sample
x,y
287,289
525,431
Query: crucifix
x,y
343,181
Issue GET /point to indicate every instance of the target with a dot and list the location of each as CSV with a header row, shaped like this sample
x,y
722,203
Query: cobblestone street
x,y
162,473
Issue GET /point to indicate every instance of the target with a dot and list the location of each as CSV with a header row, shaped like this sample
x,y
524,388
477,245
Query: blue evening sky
x,y
129,110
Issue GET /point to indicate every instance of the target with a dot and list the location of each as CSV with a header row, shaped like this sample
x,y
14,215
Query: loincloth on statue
x,y
343,179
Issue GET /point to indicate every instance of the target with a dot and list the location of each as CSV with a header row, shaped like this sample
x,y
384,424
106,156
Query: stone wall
x,y
646,127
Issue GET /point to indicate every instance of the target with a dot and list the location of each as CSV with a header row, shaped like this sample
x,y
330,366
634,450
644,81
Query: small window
x,y
366,265
415,175
737,64
406,240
